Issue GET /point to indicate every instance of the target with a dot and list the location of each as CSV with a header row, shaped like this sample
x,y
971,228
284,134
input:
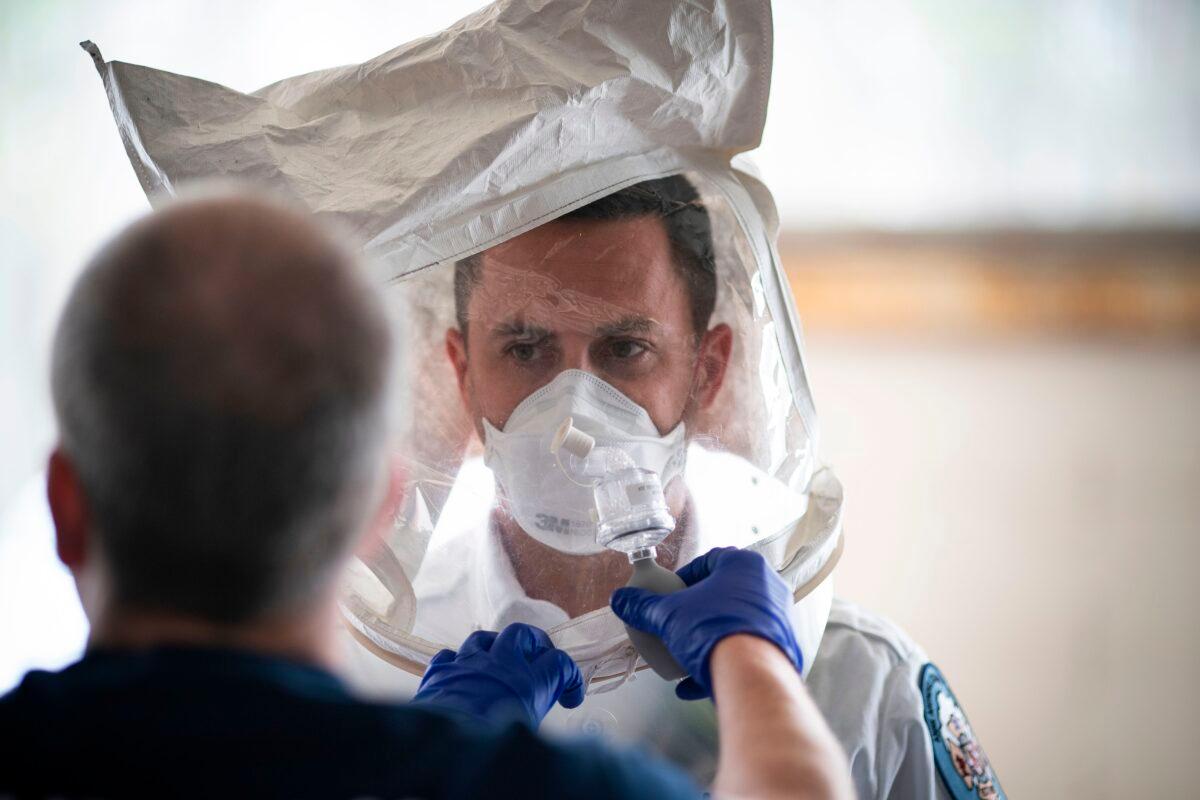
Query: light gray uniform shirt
x,y
901,726
865,680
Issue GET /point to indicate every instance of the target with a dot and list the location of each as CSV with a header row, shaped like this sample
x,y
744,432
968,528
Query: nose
x,y
576,354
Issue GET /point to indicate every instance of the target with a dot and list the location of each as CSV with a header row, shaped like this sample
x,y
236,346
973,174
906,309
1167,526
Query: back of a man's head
x,y
219,377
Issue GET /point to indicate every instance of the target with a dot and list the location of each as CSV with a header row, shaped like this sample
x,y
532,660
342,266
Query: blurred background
x,y
991,223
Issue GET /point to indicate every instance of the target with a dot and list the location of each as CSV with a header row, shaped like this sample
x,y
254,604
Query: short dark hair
x,y
673,200
219,378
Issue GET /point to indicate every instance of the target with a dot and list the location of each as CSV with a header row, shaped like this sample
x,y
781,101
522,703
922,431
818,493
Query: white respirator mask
x,y
545,501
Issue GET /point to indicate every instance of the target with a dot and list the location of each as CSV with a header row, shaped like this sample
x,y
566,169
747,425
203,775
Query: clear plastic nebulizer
x,y
631,517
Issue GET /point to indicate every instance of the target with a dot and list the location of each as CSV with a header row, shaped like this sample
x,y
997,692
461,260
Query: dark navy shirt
x,y
210,723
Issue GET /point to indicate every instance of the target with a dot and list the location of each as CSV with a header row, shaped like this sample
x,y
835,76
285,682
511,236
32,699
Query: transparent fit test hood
x,y
474,143
455,566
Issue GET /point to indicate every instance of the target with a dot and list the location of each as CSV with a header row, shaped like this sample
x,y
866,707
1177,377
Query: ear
x,y
456,351
381,522
68,507
716,346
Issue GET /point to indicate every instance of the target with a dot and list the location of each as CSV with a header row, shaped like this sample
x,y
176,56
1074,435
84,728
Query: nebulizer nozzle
x,y
631,517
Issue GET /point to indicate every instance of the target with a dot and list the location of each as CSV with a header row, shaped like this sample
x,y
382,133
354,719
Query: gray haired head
x,y
220,377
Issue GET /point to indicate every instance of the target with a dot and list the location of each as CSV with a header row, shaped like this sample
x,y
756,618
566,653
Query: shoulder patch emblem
x,y
960,759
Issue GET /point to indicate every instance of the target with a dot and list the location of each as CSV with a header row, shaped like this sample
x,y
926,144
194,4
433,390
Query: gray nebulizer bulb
x,y
648,574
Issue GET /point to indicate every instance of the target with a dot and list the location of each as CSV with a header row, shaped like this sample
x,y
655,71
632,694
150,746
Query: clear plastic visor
x,y
642,319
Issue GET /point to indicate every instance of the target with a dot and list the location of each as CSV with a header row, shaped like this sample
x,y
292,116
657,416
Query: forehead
x,y
582,271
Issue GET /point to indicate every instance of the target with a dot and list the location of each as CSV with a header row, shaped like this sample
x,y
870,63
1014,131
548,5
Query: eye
x,y
626,348
523,352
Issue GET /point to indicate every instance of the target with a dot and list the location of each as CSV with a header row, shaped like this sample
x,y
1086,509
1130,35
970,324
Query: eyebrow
x,y
631,324
518,329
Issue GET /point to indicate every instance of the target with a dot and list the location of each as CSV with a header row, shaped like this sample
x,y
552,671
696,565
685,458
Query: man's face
x,y
600,296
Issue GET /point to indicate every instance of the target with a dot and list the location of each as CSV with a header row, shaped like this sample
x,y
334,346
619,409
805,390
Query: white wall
x,y
1029,512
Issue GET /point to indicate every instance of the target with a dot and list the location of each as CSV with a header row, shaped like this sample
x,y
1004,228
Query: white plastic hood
x,y
432,150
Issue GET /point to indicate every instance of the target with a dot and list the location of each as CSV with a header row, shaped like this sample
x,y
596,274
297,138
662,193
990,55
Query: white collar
x,y
500,594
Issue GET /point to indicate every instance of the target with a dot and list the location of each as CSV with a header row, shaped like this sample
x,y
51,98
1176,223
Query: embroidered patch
x,y
960,759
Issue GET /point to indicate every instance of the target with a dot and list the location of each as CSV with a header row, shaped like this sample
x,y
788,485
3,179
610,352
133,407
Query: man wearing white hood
x,y
557,164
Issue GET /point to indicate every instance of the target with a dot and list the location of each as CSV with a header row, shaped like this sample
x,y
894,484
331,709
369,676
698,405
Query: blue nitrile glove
x,y
729,591
517,674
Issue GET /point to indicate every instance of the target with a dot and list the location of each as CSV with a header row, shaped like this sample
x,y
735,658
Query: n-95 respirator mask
x,y
541,496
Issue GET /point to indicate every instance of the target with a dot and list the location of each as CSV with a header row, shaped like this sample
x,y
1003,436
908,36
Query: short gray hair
x,y
220,380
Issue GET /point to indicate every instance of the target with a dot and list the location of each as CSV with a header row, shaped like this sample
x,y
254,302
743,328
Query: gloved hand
x,y
516,674
729,591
